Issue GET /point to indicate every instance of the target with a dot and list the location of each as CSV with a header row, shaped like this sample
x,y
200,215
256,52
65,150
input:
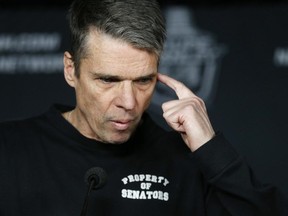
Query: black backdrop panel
x,y
236,58
32,43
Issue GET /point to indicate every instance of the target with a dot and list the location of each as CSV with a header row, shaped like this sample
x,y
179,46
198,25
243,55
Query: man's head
x,y
137,22
113,65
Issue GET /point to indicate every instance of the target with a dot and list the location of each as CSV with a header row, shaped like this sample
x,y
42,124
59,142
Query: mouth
x,y
122,124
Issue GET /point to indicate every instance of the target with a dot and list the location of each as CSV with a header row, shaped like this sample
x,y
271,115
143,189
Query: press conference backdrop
x,y
235,58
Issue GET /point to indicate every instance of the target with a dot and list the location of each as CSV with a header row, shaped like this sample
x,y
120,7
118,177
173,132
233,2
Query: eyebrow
x,y
120,78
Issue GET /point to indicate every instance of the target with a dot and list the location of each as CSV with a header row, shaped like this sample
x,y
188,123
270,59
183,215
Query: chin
x,y
119,140
121,137
122,140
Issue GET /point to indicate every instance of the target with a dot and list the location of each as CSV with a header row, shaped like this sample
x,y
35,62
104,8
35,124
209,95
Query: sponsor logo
x,y
281,57
190,55
30,53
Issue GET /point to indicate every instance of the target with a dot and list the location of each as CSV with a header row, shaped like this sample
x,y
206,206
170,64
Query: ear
x,y
69,69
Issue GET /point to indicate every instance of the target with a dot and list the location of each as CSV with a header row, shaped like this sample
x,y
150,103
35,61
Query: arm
x,y
231,187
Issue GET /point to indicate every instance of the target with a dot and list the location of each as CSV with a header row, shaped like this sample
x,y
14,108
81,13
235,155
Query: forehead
x,y
116,57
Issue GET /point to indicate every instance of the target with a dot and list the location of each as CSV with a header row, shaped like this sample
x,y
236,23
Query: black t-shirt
x,y
43,161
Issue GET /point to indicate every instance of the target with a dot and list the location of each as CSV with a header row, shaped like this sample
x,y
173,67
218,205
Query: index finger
x,y
179,88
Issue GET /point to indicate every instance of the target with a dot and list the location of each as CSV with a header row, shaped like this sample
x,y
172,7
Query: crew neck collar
x,y
55,117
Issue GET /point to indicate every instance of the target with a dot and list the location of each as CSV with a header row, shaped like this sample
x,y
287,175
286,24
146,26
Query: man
x,y
113,67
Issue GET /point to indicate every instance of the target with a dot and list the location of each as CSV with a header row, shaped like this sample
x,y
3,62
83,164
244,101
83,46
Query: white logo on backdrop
x,y
30,53
190,55
281,57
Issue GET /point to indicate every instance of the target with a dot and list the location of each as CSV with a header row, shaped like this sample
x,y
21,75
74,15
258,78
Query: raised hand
x,y
187,115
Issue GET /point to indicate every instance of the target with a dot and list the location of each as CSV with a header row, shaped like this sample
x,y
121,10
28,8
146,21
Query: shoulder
x,y
33,124
17,128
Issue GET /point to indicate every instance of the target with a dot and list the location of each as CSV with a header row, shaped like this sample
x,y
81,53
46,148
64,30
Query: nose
x,y
126,96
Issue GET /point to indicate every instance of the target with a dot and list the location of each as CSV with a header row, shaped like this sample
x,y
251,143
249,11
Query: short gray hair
x,y
137,22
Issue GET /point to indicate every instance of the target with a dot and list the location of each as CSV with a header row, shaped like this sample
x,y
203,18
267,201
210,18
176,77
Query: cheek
x,y
101,102
88,97
145,97
84,95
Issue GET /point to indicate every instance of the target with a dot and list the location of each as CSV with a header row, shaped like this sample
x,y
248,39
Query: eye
x,y
144,81
108,80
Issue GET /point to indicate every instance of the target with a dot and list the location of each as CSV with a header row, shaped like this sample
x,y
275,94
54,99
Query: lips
x,y
121,124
